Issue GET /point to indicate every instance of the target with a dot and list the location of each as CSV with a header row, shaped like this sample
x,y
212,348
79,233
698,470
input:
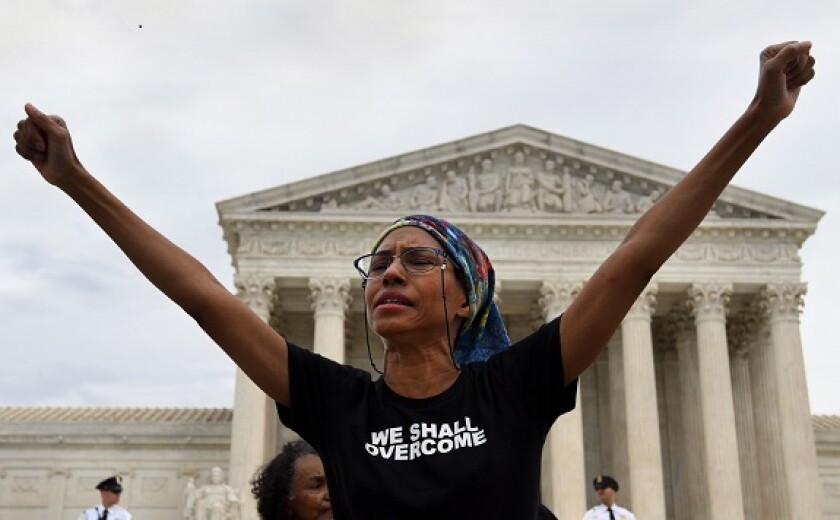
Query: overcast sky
x,y
213,99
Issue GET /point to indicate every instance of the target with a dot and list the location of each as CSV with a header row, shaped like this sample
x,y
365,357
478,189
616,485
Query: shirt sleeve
x,y
319,389
531,370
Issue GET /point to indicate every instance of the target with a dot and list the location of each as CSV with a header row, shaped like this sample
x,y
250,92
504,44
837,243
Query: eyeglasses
x,y
415,260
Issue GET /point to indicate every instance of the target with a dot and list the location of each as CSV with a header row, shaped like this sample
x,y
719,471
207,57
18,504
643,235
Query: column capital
x,y
644,305
256,289
665,334
330,294
681,319
556,296
709,301
782,300
742,329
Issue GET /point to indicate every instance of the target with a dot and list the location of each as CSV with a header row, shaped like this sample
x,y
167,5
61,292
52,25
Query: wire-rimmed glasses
x,y
415,260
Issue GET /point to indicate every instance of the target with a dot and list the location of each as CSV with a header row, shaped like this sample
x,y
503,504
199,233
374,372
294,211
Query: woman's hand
x,y
785,68
45,142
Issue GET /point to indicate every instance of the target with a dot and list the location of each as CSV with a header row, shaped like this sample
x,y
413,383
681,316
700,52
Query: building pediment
x,y
517,171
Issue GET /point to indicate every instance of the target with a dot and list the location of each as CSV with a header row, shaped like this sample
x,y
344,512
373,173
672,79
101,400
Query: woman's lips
x,y
392,299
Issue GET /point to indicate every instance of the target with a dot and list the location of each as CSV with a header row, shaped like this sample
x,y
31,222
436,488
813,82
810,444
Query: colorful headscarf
x,y
483,332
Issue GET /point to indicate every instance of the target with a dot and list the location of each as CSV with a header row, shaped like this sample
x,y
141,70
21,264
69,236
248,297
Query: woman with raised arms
x,y
455,426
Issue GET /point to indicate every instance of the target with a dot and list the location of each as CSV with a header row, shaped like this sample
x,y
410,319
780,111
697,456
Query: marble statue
x,y
550,189
617,200
519,185
213,501
454,193
485,188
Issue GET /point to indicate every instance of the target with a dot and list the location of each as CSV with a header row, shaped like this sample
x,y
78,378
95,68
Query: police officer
x,y
606,488
110,489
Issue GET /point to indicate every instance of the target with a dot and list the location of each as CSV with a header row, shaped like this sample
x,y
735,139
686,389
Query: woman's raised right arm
x,y
254,346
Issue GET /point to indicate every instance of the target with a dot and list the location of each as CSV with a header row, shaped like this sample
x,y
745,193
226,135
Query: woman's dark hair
x,y
272,484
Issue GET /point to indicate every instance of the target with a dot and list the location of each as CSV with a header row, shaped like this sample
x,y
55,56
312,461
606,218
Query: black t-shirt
x,y
472,451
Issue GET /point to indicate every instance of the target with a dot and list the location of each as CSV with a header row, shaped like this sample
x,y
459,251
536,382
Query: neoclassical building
x,y
699,405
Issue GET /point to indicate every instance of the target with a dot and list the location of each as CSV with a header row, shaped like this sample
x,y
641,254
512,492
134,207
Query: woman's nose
x,y
395,271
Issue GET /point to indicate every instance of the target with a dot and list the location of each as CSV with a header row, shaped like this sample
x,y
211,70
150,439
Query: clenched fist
x,y
45,142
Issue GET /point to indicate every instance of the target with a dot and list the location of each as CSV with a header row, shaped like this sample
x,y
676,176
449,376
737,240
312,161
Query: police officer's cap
x,y
604,481
113,484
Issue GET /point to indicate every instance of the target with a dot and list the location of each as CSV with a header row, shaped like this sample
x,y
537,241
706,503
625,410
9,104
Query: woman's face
x,y
310,499
400,304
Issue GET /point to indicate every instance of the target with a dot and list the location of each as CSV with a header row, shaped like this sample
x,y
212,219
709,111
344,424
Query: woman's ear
x,y
463,310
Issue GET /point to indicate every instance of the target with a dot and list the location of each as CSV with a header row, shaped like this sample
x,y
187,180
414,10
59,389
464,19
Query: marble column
x,y
673,422
783,303
736,331
723,474
768,443
618,417
692,449
566,478
330,298
606,419
644,455
254,416
593,463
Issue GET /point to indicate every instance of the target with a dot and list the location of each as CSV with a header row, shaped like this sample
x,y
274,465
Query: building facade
x,y
52,458
704,381
699,405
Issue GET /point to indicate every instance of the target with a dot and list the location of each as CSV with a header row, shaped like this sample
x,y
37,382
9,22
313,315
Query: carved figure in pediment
x,y
646,201
329,203
617,200
485,188
586,201
454,193
425,196
550,189
519,185
388,200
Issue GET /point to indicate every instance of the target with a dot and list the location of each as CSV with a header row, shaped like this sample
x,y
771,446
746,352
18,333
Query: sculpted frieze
x,y
352,246
741,253
517,180
275,246
314,247
553,250
729,252
504,245
294,247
